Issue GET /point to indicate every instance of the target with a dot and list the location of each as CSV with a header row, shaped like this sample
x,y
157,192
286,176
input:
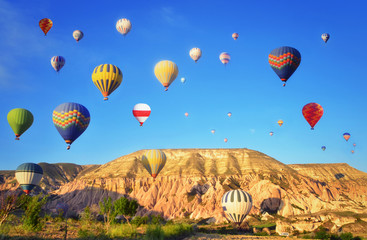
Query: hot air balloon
x,y
323,148
352,151
141,112
284,61
312,112
346,136
77,35
28,176
123,26
186,114
71,120
107,78
235,36
213,131
325,37
280,122
225,140
183,80
271,133
154,161
20,120
45,25
62,208
354,145
195,54
236,205
229,114
224,58
166,72
57,62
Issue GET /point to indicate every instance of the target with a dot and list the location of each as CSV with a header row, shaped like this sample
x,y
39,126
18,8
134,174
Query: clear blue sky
x,y
332,74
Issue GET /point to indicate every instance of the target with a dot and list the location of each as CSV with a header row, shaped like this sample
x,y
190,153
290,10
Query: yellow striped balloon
x,y
166,72
107,78
154,161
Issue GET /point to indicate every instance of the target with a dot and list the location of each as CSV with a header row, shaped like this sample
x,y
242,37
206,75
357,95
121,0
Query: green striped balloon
x,y
20,120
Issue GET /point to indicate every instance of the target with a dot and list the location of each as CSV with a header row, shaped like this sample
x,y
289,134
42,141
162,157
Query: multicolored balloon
x,y
107,78
62,208
195,54
78,35
312,112
123,26
280,122
271,133
229,114
323,148
141,112
45,24
224,58
154,161
325,37
225,140
236,205
346,136
71,120
186,114
284,61
20,120
166,72
28,176
57,62
235,36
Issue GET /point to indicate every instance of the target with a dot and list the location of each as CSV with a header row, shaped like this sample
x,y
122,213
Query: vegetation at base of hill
x,y
323,233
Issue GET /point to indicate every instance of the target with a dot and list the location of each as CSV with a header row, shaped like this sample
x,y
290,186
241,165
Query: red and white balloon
x,y
141,112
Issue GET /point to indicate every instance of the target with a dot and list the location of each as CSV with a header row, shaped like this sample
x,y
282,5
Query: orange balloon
x,y
45,25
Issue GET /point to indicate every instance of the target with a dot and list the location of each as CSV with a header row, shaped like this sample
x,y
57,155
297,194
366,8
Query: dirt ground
x,y
204,236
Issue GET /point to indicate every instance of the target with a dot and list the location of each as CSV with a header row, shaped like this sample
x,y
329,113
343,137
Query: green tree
x,y
108,211
32,209
9,204
125,207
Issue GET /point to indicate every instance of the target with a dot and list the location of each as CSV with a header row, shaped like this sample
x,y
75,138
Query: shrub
x,y
177,231
140,220
156,219
321,233
122,231
346,236
31,219
154,232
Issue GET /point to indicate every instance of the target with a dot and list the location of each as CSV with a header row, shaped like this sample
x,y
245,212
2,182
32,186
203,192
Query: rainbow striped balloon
x,y
224,57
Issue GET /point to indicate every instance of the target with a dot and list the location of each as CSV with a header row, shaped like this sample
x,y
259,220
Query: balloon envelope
x,y
280,122
45,24
235,36
323,148
107,78
186,114
271,133
123,26
325,37
71,120
62,208
225,140
195,54
346,136
213,131
154,161
20,120
77,35
284,61
224,58
166,72
312,112
236,205
229,114
28,176
141,112
57,62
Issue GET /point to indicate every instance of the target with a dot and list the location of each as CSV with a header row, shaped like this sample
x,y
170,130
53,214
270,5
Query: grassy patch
x,y
265,225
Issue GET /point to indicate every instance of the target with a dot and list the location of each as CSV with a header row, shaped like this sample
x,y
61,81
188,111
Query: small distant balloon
x,y
235,36
186,114
325,37
57,62
166,72
280,122
183,80
354,145
123,26
224,58
346,136
195,54
225,140
271,133
77,35
45,24
323,148
229,114
213,131
141,112
352,151
62,208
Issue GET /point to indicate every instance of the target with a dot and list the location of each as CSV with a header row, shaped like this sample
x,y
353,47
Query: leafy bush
x,y
122,231
140,220
154,232
31,219
125,207
346,236
177,231
156,219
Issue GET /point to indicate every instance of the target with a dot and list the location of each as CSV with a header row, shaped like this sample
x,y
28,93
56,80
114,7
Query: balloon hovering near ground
x,y
224,58
280,122
45,24
212,131
346,136
195,54
166,72
229,114
154,161
57,62
28,176
312,112
107,78
235,36
325,37
236,205
62,208
71,120
284,61
78,35
141,112
323,148
123,26
225,140
20,120
271,133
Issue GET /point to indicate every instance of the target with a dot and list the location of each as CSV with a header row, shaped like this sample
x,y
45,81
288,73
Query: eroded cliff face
x,y
194,180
